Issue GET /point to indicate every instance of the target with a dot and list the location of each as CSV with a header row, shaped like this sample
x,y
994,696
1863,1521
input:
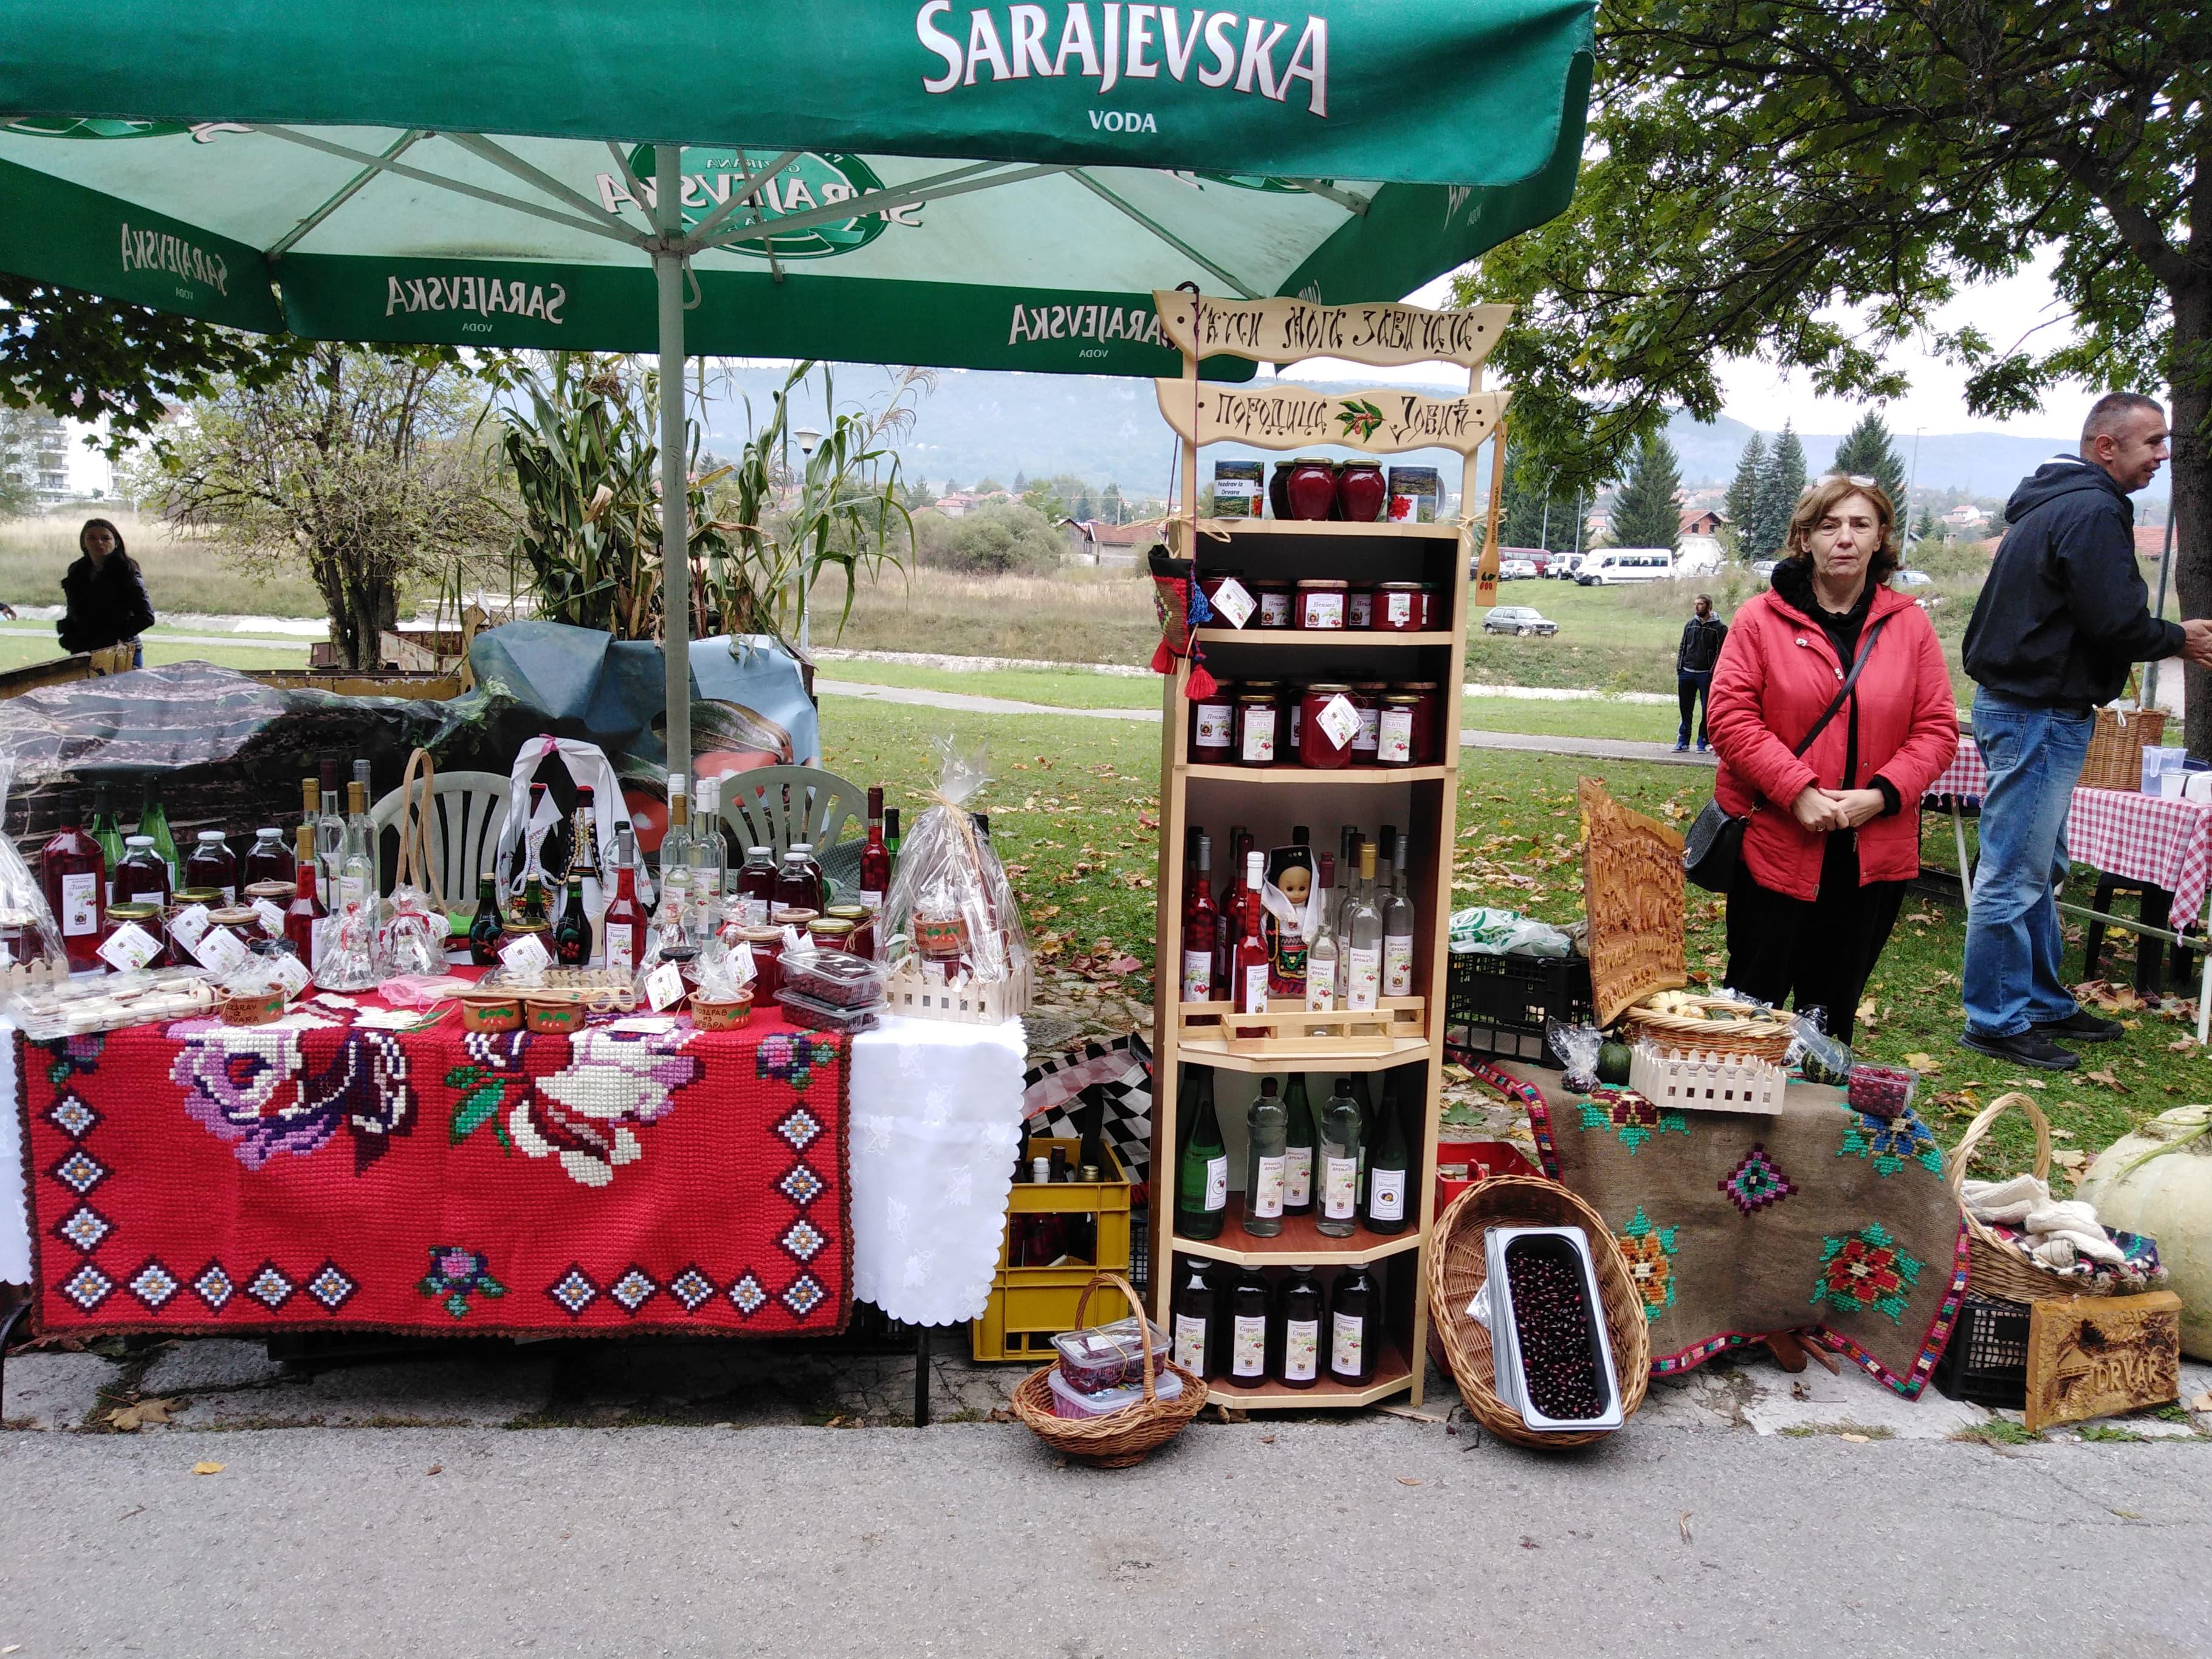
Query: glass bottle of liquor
x,y
710,854
154,824
1362,943
1298,1340
1398,928
1248,1328
1247,968
875,856
533,842
1389,1175
584,849
212,864
1338,1158
330,834
357,871
268,859
1202,1170
103,829
1265,1123
1347,864
373,889
756,885
797,888
531,907
74,871
675,858
1195,1317
303,916
572,934
1298,1143
625,920
891,834
1230,916
1322,964
143,877
489,930
1355,1331
1200,922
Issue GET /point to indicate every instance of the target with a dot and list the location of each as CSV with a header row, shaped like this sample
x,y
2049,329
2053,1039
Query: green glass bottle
x,y
154,821
489,928
1202,1171
1298,1143
103,830
1388,1171
572,934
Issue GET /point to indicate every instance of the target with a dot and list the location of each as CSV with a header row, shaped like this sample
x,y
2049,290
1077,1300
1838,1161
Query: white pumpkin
x,y
2167,1197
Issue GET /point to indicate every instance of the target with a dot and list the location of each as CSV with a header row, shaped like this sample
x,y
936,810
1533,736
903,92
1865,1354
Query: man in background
x,y
1694,671
2061,618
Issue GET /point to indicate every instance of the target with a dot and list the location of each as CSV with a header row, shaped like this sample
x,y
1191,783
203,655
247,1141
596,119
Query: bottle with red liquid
x,y
756,885
303,914
1248,968
798,885
1200,922
212,864
875,857
625,919
75,874
1227,913
268,859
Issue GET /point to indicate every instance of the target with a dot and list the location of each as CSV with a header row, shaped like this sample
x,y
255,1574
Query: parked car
x,y
1515,570
1521,619
1764,569
1915,579
1564,565
1612,565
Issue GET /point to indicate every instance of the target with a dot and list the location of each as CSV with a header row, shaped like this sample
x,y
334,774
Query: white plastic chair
x,y
466,809
775,806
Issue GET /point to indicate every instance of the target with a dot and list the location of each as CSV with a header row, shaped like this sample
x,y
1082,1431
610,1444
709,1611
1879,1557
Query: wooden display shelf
x,y
1208,1051
1392,1374
1308,777
1301,1243
1345,1034
1207,528
1343,638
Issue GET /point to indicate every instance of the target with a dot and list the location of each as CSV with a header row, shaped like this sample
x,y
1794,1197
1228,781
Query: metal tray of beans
x,y
1547,1338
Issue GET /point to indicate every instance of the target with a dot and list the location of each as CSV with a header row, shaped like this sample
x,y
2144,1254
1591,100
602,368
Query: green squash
x,y
1833,1071
1613,1060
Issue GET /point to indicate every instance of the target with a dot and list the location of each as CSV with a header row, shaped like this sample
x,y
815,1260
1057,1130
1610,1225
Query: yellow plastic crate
x,y
1029,1306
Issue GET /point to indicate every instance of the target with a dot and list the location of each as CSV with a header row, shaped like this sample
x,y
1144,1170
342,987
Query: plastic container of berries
x,y
1552,1359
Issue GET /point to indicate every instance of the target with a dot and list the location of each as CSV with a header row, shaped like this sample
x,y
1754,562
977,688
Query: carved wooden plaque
x,y
1382,335
1632,895
2092,1355
1381,421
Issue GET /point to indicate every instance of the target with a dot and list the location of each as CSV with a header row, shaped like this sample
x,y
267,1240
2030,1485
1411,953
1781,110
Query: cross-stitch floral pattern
x,y
1650,1253
791,1056
572,1099
1866,1269
1892,1143
264,1091
455,1275
1630,1116
1756,1182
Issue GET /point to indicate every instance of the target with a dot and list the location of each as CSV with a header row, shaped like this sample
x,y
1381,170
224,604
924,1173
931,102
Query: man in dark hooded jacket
x,y
2063,617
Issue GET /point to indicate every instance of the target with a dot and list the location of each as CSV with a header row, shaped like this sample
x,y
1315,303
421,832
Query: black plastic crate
x,y
1986,1363
1495,1006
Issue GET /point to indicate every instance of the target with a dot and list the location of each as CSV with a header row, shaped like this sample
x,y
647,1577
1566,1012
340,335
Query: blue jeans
x,y
1690,686
2035,758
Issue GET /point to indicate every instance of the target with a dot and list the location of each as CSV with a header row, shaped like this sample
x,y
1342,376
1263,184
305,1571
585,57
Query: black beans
x,y
1552,1322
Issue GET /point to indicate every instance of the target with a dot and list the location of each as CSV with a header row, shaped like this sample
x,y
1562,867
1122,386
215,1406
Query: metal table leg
x,y
922,1353
1965,871
14,1316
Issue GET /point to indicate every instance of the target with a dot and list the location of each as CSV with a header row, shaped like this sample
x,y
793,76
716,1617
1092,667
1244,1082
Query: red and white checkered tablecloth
x,y
2121,832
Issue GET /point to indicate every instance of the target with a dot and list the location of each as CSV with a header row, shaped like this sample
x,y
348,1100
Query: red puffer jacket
x,y
1777,673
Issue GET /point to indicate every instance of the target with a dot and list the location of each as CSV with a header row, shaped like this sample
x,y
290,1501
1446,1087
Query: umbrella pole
x,y
675,482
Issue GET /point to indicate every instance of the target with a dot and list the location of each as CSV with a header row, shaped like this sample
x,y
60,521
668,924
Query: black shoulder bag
x,y
1709,850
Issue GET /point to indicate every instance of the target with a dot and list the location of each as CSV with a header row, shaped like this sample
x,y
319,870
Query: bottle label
x,y
1215,723
1275,610
1217,1183
622,948
1190,1343
350,889
1254,999
1301,1349
1321,984
1337,720
872,899
1386,1195
1259,744
1348,1336
1362,977
1340,1187
1393,735
1197,975
1397,964
1267,1195
80,904
1297,1178
1247,1350
127,947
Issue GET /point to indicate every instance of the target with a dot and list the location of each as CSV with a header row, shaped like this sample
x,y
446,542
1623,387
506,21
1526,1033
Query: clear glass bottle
x,y
1362,942
357,871
1355,1333
1267,1125
1299,1140
1339,1159
1195,1315
1388,1168
1297,1336
1248,1328
675,863
710,854
1202,1168
1323,964
1398,927
329,834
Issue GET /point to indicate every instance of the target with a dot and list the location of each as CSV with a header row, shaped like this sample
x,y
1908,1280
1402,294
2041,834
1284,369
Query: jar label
x,y
1190,1342
1363,978
1340,1187
742,960
1197,975
1297,1178
1397,964
1248,1351
1350,1334
289,974
526,955
1360,612
872,899
80,904
1301,1349
1386,1195
1398,608
270,917
1394,735
1235,604
219,948
1337,720
188,926
129,947
1370,727
1322,609
1259,734
1216,723
1266,1195
663,987
1217,1183
1254,999
1275,610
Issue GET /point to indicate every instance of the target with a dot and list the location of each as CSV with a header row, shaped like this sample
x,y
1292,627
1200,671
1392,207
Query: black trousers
x,y
1817,955
1690,689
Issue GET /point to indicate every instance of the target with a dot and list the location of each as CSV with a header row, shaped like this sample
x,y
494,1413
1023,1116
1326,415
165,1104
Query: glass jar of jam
x,y
1213,726
237,921
1361,493
864,926
767,947
830,933
20,944
1367,697
1321,603
1433,604
1311,487
1428,711
147,918
1329,721
1397,607
1294,697
181,954
1274,599
1258,726
1210,584
1360,605
1394,729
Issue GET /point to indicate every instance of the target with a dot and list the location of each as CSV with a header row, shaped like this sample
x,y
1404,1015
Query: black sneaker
x,y
2029,1048
2080,1026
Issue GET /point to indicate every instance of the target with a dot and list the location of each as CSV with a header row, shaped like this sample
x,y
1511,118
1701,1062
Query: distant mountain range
x,y
976,424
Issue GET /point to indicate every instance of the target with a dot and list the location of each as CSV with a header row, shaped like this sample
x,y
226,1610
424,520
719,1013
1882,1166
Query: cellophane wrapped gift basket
x,y
951,931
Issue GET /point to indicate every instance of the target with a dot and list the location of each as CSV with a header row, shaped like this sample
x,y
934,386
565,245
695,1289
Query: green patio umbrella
x,y
985,187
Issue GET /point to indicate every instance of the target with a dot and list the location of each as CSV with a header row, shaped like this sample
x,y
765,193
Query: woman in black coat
x,y
106,596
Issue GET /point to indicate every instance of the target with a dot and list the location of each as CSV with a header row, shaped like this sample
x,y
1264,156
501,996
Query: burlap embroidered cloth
x,y
1739,1225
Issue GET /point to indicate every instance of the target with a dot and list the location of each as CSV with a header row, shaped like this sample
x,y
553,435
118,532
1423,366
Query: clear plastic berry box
x,y
1109,1356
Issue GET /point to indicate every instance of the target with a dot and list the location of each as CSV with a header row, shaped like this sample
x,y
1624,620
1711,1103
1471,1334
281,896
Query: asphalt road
x,y
1374,1538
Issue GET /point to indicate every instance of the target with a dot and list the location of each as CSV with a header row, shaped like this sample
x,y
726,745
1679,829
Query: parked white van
x,y
1611,565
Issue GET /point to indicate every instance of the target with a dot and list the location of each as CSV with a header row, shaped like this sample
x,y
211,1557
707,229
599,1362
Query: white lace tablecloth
x,y
15,1216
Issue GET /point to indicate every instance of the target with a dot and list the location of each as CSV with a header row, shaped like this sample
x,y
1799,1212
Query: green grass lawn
x,y
1073,689
17,651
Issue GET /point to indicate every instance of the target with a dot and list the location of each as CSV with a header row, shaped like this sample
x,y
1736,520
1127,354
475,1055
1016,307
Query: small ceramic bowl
x,y
555,1019
257,1008
716,1016
491,1014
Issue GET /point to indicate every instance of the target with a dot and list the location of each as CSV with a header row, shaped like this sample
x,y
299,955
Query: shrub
x,y
1000,539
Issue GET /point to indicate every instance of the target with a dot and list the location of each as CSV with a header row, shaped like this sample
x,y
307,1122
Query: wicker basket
x,y
1458,1265
2116,746
1120,1439
1995,1269
1761,1039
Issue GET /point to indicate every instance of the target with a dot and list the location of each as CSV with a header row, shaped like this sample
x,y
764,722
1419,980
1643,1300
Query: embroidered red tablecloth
x,y
197,1178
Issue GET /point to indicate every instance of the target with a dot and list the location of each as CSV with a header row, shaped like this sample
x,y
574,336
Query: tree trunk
x,y
2191,485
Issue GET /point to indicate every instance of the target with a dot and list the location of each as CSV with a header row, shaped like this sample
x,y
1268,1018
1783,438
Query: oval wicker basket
x,y
1758,1038
1121,1438
1995,1269
1458,1264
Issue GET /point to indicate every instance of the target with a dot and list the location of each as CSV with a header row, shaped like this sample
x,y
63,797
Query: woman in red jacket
x,y
1835,835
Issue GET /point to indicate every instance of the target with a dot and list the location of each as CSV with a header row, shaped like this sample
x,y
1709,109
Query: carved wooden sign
x,y
2091,1356
1381,421
1632,895
1282,330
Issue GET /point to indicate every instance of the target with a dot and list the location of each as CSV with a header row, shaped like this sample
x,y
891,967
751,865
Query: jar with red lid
x,y
1321,603
1361,494
1329,721
1309,488
1360,605
1394,729
1367,697
1428,710
1213,726
1433,604
1397,607
1259,722
1274,597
